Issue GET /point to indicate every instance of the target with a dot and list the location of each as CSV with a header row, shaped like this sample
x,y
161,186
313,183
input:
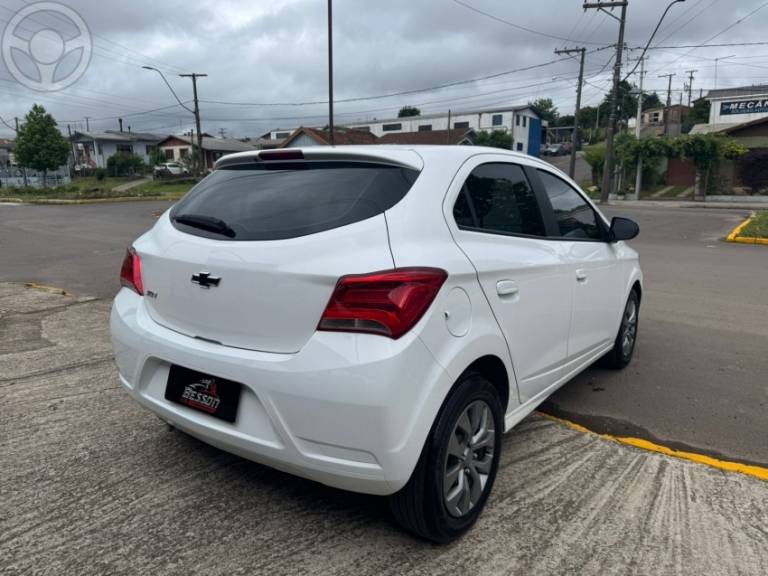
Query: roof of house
x,y
429,137
726,128
7,144
444,114
116,136
738,91
215,144
342,136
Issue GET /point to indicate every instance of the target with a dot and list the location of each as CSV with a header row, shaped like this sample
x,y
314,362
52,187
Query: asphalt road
x,y
700,377
93,484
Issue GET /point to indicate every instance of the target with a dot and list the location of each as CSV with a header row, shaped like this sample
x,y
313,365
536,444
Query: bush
x,y
595,157
125,164
100,174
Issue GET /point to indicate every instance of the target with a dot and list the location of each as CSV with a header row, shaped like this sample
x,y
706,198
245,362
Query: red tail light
x,y
387,303
130,273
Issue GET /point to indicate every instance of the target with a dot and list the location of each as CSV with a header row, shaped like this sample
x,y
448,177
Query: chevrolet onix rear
x,y
316,311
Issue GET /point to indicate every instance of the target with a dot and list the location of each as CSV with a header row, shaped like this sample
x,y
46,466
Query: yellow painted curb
x,y
747,469
734,235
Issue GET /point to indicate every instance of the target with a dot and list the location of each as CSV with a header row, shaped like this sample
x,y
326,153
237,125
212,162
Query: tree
x,y
156,156
494,139
700,111
651,101
39,144
595,157
408,111
705,151
546,109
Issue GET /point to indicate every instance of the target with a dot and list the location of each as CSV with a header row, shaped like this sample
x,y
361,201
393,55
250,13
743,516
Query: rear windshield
x,y
287,200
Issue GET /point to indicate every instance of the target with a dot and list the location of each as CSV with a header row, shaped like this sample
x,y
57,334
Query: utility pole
x,y
201,158
639,132
23,169
577,111
690,85
669,102
607,188
87,123
330,71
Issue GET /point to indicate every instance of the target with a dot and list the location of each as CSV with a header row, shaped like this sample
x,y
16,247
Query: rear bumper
x,y
349,410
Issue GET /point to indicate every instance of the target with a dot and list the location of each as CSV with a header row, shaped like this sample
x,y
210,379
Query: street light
x,y
195,111
716,61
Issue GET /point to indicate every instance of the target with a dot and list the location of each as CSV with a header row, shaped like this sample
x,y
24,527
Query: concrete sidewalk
x,y
93,484
746,205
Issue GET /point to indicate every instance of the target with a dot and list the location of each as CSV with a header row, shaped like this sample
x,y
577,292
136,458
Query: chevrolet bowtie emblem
x,y
205,280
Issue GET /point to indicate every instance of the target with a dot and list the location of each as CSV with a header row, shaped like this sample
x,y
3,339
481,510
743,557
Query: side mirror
x,y
623,229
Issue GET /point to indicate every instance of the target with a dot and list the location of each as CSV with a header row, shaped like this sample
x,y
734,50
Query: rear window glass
x,y
287,200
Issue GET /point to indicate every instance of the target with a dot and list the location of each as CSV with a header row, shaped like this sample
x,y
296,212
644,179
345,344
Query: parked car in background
x,y
374,318
556,150
170,169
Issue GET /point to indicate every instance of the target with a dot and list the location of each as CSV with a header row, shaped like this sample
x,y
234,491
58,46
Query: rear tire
x,y
455,473
624,346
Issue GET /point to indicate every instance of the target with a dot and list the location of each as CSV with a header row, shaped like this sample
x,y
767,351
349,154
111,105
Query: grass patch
x,y
757,227
93,189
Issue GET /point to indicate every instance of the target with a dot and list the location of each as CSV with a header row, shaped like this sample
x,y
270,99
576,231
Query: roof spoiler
x,y
404,158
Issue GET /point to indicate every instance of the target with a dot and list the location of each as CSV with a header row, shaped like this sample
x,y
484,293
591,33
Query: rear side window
x,y
287,200
575,217
497,198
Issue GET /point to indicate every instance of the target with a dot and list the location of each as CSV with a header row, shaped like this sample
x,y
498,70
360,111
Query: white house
x,y
524,124
738,105
93,149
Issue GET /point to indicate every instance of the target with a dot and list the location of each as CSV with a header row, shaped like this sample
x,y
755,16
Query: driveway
x,y
93,484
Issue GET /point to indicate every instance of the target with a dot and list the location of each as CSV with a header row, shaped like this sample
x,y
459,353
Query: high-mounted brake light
x,y
281,155
130,273
388,303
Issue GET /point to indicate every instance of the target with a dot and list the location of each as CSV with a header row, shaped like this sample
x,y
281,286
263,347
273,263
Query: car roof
x,y
405,155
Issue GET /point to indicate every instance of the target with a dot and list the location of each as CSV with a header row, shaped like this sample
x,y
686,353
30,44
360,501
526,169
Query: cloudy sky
x,y
266,59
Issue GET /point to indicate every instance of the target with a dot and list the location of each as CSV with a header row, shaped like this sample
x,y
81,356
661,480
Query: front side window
x,y
497,119
497,198
392,127
575,217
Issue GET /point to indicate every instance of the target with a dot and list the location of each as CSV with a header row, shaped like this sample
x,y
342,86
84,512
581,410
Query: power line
x,y
393,94
524,28
652,36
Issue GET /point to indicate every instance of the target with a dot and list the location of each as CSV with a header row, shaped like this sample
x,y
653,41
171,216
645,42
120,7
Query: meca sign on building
x,y
754,106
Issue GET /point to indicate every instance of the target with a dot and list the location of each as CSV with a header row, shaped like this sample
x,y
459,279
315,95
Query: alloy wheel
x,y
468,462
630,329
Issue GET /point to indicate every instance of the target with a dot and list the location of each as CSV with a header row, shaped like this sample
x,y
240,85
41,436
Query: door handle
x,y
507,288
581,276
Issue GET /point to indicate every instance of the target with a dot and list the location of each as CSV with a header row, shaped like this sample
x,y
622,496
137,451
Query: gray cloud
x,y
275,51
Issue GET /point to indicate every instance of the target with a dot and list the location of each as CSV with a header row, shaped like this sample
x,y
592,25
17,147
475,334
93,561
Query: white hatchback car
x,y
374,318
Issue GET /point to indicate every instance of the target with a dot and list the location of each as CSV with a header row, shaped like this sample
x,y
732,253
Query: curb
x,y
747,469
734,235
65,201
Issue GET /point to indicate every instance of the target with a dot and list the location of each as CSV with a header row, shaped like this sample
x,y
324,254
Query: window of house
x,y
425,128
519,146
525,121
497,120
461,125
100,149
517,120
281,135
125,148
184,153
168,153
575,217
392,127
497,199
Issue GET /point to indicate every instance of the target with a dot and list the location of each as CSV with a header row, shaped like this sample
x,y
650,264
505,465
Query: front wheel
x,y
624,345
457,468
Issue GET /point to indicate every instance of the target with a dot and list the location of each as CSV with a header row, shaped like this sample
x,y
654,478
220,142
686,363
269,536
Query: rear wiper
x,y
208,223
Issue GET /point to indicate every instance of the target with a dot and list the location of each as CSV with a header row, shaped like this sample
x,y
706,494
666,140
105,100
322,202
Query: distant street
x,y
699,377
583,170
